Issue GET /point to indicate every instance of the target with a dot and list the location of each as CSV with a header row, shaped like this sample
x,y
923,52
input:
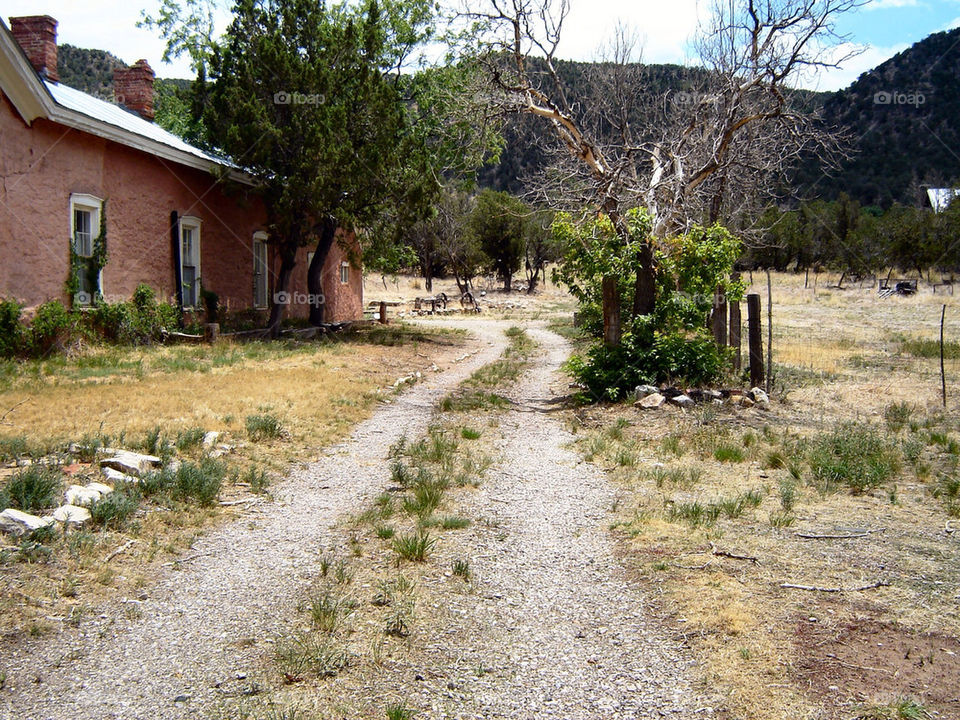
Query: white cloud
x,y
662,28
887,4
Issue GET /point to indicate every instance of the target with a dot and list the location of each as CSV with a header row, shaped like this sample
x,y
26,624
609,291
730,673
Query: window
x,y
261,280
344,272
190,261
84,228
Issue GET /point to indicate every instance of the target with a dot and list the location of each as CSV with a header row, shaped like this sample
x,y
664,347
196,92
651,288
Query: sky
x,y
881,29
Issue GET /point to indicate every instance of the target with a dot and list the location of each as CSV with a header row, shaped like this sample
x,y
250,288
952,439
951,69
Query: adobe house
x,y
171,219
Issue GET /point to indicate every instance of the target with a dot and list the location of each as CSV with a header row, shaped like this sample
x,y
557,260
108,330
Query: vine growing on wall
x,y
89,267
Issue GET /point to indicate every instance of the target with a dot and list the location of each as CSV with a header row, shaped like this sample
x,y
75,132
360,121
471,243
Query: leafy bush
x,y
670,343
264,427
113,509
854,455
200,482
142,320
51,329
11,329
611,373
35,488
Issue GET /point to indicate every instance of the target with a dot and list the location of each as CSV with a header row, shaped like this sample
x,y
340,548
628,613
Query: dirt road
x,y
553,611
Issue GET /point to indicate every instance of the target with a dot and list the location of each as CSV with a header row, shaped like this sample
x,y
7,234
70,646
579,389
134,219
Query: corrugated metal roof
x,y
118,117
941,197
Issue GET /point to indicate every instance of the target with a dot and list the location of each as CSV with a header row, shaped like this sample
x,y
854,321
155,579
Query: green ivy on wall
x,y
89,267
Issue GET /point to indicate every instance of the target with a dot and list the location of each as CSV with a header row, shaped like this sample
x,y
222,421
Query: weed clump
x,y
35,488
853,455
264,427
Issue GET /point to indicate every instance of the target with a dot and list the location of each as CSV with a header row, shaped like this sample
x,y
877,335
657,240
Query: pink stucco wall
x,y
42,165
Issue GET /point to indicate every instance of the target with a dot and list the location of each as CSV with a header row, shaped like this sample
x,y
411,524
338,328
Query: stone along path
x,y
553,617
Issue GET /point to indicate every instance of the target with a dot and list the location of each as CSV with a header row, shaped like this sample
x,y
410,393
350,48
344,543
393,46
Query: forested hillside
x,y
903,119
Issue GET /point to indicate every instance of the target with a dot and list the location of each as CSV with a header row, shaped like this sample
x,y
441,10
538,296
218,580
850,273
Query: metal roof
x,y
124,120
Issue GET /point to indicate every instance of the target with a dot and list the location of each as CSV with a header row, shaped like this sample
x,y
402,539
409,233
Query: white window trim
x,y
261,237
344,266
194,223
83,201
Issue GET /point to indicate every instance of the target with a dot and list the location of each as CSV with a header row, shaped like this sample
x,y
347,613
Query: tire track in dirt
x,y
551,627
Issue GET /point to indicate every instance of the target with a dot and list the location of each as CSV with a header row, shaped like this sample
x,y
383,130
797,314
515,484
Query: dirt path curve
x,y
189,644
554,622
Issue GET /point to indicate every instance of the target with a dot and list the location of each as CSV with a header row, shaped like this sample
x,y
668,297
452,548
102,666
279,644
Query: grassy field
x,y
847,486
272,403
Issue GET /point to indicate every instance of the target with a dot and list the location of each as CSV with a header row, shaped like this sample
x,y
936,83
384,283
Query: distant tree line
x,y
842,236
488,233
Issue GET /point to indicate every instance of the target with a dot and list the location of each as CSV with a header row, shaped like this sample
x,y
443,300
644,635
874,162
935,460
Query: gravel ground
x,y
552,627
180,650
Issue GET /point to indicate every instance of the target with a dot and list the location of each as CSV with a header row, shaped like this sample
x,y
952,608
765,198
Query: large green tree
x,y
498,222
309,99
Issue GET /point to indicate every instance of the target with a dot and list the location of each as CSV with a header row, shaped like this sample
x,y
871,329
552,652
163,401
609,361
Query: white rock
x,y
118,478
72,515
684,401
210,438
130,462
651,402
759,396
642,391
80,496
17,522
100,488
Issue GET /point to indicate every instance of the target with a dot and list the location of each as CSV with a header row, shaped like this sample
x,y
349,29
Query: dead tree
x,y
710,151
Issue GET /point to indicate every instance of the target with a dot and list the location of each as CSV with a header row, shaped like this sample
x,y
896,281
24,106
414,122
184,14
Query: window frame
x,y
260,241
84,202
190,222
344,273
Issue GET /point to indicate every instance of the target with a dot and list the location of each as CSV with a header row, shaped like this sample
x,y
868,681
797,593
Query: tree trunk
x,y
507,280
288,261
315,273
611,312
645,291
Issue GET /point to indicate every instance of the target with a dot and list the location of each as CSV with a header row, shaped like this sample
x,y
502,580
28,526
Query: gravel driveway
x,y
553,613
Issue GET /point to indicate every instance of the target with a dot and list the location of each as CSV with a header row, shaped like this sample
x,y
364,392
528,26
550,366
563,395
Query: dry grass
x,y
317,391
767,649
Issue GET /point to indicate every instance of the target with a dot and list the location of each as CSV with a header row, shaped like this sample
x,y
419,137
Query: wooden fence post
x,y
611,312
755,340
718,319
383,313
735,323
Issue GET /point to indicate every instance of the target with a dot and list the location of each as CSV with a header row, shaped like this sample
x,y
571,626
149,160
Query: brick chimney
x,y
133,88
37,36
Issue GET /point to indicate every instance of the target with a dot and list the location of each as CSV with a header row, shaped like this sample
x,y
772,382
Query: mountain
x,y
903,121
88,70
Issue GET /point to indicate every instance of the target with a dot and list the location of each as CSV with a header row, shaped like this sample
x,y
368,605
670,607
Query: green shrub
x,y
611,373
112,510
854,455
35,488
264,427
189,438
12,332
199,482
51,328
